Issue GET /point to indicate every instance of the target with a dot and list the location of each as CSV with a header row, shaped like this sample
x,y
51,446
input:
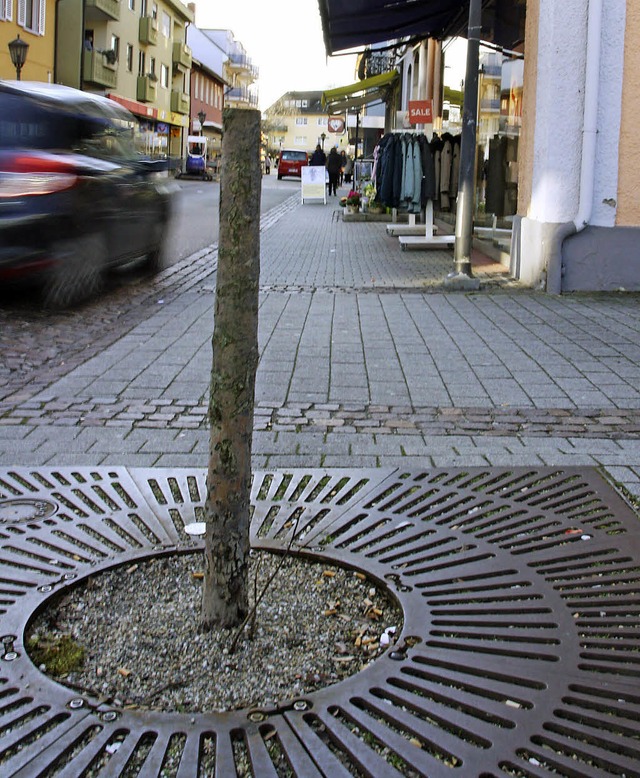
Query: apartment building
x,y
135,52
207,90
240,73
298,120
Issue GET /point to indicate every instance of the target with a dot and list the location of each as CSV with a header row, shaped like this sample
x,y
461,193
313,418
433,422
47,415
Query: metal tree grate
x,y
520,652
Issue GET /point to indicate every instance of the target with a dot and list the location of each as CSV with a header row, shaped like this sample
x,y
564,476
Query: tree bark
x,y
225,599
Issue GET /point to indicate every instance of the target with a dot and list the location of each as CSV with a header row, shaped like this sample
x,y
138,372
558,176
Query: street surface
x,y
33,340
195,223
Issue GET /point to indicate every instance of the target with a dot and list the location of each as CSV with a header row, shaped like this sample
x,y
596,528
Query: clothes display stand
x,y
411,228
427,239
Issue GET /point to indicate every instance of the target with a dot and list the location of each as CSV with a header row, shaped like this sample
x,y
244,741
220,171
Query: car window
x,y
294,156
27,123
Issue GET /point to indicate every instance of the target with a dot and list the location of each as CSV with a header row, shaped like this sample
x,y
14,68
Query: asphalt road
x,y
195,222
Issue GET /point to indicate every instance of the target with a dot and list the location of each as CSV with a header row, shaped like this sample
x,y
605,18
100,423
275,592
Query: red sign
x,y
336,124
420,112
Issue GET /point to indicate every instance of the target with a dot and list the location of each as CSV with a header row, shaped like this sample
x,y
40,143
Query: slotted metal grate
x,y
520,652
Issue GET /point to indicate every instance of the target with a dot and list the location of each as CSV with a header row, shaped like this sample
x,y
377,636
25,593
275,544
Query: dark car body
x,y
75,197
291,162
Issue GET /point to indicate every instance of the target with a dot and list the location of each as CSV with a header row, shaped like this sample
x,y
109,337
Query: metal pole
x,y
464,214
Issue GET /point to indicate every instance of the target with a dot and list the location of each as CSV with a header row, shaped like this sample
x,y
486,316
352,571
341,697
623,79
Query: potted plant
x,y
370,194
353,201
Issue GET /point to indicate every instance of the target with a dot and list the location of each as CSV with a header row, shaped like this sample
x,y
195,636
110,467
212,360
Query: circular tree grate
x,y
520,653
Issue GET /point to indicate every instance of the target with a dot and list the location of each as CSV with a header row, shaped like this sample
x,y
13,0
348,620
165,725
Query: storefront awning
x,y
361,93
349,24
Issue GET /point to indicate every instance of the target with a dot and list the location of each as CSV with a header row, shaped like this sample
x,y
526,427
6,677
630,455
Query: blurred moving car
x,y
291,162
75,197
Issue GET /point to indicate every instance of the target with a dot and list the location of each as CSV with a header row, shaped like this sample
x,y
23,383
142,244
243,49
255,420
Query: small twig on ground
x,y
258,600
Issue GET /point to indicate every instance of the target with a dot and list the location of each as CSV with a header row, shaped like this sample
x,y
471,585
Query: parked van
x,y
291,162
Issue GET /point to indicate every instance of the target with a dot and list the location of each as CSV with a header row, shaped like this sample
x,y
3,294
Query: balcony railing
x,y
95,70
240,94
179,102
146,89
103,9
489,105
181,55
148,30
242,63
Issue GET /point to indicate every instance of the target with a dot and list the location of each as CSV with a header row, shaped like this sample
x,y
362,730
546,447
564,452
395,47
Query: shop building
x,y
561,148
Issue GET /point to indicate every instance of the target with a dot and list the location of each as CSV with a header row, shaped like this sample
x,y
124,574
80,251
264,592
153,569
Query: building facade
x,y
240,73
34,22
135,52
207,91
578,222
297,120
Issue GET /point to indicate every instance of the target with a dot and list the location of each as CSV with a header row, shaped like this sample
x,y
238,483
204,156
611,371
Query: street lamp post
x,y
323,136
18,51
201,118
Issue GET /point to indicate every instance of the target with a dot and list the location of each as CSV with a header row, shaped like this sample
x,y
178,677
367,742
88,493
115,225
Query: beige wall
x,y
525,144
628,213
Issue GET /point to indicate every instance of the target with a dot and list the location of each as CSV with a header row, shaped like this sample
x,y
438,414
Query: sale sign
x,y
420,112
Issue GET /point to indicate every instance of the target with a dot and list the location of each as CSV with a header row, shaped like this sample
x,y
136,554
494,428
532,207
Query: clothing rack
x,y
418,236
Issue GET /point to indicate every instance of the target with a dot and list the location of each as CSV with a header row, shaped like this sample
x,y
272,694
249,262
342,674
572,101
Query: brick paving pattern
x,y
366,360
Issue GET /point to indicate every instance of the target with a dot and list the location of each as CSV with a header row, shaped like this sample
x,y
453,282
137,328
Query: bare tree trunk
x,y
225,599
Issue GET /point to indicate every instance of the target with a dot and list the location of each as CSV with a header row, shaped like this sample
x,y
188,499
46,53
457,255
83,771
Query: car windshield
x,y
28,124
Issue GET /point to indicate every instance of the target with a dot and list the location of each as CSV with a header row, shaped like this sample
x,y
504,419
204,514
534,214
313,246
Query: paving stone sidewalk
x,y
366,360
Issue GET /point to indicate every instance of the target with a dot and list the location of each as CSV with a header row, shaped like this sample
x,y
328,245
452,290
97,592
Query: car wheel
x,y
154,259
77,274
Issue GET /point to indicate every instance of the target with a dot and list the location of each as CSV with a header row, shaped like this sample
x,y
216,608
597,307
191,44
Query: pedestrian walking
x,y
267,164
318,157
334,164
343,162
348,169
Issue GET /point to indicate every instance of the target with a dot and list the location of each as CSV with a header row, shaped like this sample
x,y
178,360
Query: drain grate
x,y
520,653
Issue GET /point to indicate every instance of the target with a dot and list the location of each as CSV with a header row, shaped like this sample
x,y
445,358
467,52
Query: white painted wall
x,y
609,113
560,106
559,103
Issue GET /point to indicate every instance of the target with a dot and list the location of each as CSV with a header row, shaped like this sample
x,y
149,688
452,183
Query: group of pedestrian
x,y
339,166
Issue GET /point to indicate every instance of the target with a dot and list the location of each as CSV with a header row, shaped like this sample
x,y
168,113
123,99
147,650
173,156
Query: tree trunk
x,y
225,599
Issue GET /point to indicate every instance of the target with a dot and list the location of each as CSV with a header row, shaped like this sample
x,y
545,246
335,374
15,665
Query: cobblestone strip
x,y
334,417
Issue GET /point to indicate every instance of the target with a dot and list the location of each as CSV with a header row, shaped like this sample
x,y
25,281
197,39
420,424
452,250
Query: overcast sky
x,y
283,39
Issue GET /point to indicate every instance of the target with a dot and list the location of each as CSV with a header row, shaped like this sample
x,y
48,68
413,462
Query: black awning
x,y
350,24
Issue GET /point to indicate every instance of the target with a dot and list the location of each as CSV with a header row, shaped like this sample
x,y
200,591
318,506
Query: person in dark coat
x,y
334,165
318,157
